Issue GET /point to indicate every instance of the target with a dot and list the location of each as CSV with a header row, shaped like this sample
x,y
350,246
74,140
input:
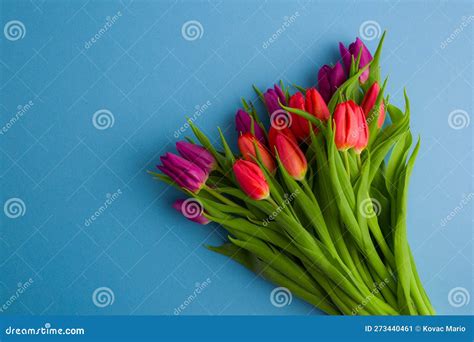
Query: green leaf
x,y
230,158
374,70
207,144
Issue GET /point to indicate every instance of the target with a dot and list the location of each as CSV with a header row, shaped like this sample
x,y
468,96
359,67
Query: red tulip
x,y
273,132
299,125
247,143
251,179
351,127
363,129
368,104
315,104
291,157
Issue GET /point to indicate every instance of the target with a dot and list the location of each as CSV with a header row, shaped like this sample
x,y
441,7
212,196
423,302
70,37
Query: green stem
x,y
346,163
220,197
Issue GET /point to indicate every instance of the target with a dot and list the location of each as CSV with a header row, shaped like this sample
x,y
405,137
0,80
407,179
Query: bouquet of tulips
x,y
316,203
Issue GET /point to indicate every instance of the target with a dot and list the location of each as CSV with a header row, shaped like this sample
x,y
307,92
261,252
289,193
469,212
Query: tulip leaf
x,y
345,210
343,87
317,296
259,93
204,140
374,70
278,260
318,123
301,89
402,253
230,159
396,115
245,104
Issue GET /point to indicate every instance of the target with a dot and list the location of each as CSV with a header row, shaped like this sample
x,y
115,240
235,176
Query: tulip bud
x,y
291,157
329,79
247,143
299,125
197,154
183,172
315,104
191,209
251,179
351,127
272,96
243,124
353,51
273,132
363,131
368,104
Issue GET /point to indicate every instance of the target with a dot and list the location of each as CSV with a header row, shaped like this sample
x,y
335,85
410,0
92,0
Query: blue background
x,y
149,77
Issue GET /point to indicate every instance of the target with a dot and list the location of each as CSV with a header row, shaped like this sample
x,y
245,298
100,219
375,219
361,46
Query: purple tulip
x,y
185,173
354,49
243,123
191,209
329,79
196,154
272,96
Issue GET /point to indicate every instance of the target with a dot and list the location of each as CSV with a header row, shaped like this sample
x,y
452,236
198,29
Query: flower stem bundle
x,y
317,201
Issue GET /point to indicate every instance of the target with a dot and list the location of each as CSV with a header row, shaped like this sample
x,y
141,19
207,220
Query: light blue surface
x,y
149,77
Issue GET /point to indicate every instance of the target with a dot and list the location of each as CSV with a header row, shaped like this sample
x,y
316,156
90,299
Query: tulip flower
x,y
353,51
299,125
243,124
272,96
273,132
351,127
247,143
197,154
329,79
291,157
183,172
192,210
251,179
315,104
369,101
